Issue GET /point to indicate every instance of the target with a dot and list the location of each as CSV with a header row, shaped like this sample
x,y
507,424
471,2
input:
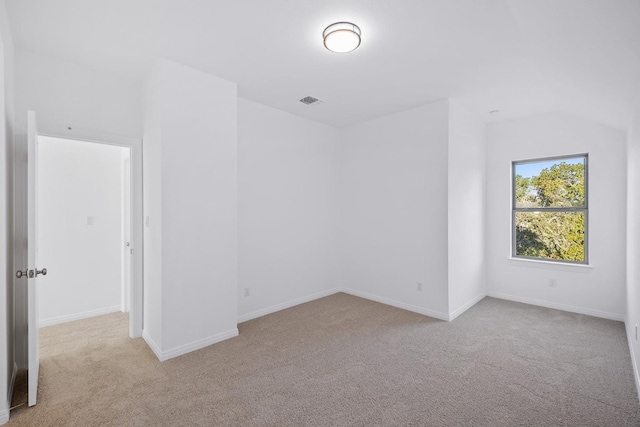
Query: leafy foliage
x,y
555,235
522,190
562,185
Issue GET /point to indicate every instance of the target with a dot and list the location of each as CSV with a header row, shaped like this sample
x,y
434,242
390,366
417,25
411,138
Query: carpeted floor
x,y
345,361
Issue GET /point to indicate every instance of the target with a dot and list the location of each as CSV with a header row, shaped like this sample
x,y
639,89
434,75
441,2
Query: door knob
x,y
30,273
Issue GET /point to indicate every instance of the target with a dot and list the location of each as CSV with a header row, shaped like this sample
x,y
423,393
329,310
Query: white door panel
x,y
32,255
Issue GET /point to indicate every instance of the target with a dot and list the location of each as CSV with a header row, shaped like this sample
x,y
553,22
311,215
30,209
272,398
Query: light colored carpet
x,y
345,361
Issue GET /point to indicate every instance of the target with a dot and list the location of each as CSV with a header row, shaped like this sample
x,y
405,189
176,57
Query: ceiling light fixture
x,y
341,37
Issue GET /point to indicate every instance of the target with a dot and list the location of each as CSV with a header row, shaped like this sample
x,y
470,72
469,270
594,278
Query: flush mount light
x,y
341,37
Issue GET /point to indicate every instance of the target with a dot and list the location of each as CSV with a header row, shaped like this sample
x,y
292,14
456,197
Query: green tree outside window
x,y
550,209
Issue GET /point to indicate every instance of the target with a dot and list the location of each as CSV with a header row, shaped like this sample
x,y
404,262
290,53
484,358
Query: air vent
x,y
310,100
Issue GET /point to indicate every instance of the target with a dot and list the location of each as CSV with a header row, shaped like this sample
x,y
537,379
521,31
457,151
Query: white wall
x,y
78,183
394,209
193,141
598,289
152,202
7,360
287,209
466,220
65,94
633,240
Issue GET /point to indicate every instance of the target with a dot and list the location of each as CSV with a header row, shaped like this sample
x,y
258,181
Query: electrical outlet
x,y
419,287
247,291
553,283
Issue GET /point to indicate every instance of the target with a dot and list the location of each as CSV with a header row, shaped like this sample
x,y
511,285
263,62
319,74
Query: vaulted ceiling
x,y
518,56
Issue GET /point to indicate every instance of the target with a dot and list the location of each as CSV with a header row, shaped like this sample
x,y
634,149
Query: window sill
x,y
550,265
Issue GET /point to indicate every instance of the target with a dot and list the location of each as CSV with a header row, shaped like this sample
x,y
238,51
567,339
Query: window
x,y
550,210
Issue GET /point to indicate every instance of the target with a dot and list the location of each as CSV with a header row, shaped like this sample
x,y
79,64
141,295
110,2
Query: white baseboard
x,y
285,305
77,316
4,413
398,304
634,361
557,306
151,343
466,306
189,347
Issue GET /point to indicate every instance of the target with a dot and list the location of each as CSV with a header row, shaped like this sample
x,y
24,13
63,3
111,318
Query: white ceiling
x,y
518,56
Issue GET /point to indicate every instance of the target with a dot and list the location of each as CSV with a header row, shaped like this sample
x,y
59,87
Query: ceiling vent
x,y
310,100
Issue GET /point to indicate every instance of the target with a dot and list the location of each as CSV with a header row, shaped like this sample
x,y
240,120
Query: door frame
x,y
135,145
126,233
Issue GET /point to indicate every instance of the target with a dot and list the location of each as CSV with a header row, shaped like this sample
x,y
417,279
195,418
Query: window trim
x,y
584,209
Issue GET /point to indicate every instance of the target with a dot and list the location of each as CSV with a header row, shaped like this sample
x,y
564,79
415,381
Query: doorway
x,y
83,228
20,227
25,213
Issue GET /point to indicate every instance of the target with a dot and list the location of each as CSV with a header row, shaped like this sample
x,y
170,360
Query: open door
x,y
32,256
